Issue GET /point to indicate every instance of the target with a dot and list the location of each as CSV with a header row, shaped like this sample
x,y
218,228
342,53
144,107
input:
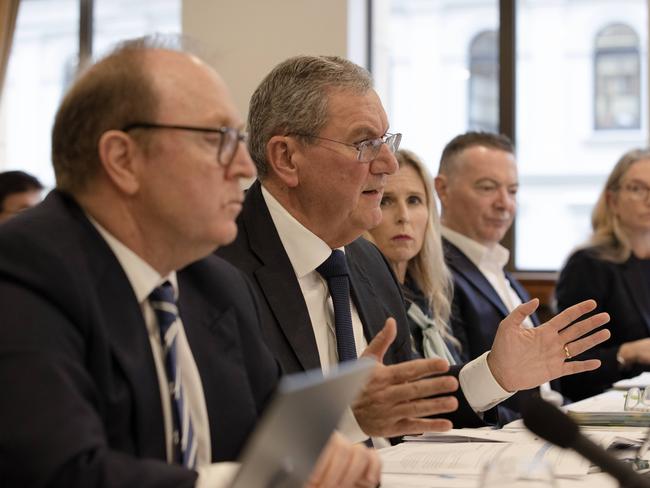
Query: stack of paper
x,y
470,458
606,409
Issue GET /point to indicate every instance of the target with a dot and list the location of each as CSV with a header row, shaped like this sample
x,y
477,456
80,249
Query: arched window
x,y
484,82
617,78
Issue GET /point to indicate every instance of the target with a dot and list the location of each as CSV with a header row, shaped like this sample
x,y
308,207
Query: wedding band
x,y
566,352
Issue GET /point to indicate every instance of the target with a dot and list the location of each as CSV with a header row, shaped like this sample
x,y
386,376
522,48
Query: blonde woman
x,y
614,269
409,237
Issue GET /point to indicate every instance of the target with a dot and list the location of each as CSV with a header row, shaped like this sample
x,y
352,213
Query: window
x,y
435,64
617,78
484,82
563,157
44,61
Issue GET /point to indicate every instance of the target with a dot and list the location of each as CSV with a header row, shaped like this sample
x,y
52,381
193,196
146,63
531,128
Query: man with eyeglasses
x,y
130,356
321,143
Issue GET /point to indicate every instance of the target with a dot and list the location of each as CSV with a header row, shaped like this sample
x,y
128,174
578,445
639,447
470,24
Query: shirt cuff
x,y
218,475
481,390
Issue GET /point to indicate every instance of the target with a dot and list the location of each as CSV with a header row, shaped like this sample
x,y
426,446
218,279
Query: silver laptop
x,y
306,409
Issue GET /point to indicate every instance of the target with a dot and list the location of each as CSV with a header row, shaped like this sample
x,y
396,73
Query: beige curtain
x,y
8,15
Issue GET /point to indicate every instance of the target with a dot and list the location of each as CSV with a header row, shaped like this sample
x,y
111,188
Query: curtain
x,y
8,15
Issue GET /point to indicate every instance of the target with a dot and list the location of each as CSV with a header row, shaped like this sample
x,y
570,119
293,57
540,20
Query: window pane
x,y
116,20
563,159
42,63
435,68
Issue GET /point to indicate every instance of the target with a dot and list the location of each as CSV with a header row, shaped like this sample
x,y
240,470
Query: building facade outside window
x,y
484,82
581,98
617,73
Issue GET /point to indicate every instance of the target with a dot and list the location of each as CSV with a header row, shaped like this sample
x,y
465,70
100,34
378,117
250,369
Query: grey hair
x,y
293,98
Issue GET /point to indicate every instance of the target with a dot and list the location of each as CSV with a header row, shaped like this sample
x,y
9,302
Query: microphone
x,y
551,424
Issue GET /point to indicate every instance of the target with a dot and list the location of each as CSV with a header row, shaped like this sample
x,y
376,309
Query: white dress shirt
x,y
306,252
144,279
491,262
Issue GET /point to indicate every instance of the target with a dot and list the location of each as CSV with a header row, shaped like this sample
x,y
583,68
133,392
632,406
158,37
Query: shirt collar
x,y
141,275
305,249
495,257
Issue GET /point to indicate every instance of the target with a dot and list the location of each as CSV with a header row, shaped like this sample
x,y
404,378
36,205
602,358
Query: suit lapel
x,y
463,266
637,288
277,280
130,345
364,297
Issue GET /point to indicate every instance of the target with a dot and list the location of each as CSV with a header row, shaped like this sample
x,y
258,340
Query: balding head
x,y
114,92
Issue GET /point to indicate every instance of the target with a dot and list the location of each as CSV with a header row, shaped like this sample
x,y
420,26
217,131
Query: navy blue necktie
x,y
184,443
335,271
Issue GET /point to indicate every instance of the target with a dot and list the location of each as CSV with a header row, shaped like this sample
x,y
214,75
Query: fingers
x,y
372,476
571,314
415,369
519,314
419,389
418,426
318,473
583,327
346,465
382,341
581,345
574,367
425,407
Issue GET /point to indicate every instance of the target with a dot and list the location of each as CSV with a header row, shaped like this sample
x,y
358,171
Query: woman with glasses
x,y
409,237
614,269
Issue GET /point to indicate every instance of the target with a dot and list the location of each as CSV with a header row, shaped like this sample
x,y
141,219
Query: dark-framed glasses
x,y
229,137
637,191
366,150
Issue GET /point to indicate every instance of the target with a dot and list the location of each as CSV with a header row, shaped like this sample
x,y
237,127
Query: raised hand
x,y
523,358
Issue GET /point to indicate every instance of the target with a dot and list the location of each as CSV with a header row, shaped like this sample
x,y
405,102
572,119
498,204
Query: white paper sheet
x,y
469,458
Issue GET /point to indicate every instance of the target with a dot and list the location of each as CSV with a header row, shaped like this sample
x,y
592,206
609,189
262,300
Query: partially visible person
x,y
18,191
477,184
130,356
614,269
409,237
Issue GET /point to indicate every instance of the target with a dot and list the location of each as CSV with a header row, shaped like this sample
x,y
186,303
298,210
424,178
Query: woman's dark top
x,y
623,291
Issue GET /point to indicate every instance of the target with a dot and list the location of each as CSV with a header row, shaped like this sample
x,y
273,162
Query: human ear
x,y
280,152
118,153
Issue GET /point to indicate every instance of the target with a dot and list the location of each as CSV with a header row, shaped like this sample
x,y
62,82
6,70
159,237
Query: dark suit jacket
x,y
288,331
623,291
81,405
476,313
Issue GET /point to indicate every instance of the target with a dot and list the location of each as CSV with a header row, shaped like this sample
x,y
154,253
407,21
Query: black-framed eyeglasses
x,y
366,150
228,142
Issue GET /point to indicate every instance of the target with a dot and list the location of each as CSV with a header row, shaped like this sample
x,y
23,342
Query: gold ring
x,y
566,351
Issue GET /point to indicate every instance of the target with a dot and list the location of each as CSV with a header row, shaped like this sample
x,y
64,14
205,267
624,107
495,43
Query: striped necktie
x,y
335,271
184,443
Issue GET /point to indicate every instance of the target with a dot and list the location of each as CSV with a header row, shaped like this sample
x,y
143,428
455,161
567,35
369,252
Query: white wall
x,y
249,37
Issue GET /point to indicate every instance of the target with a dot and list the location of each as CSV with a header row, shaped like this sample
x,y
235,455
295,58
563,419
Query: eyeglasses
x,y
637,400
228,142
637,192
366,150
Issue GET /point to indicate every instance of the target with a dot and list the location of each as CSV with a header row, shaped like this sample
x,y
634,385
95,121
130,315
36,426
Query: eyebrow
x,y
637,182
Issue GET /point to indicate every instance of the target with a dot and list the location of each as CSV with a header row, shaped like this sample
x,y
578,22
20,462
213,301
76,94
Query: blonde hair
x,y
427,268
608,240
